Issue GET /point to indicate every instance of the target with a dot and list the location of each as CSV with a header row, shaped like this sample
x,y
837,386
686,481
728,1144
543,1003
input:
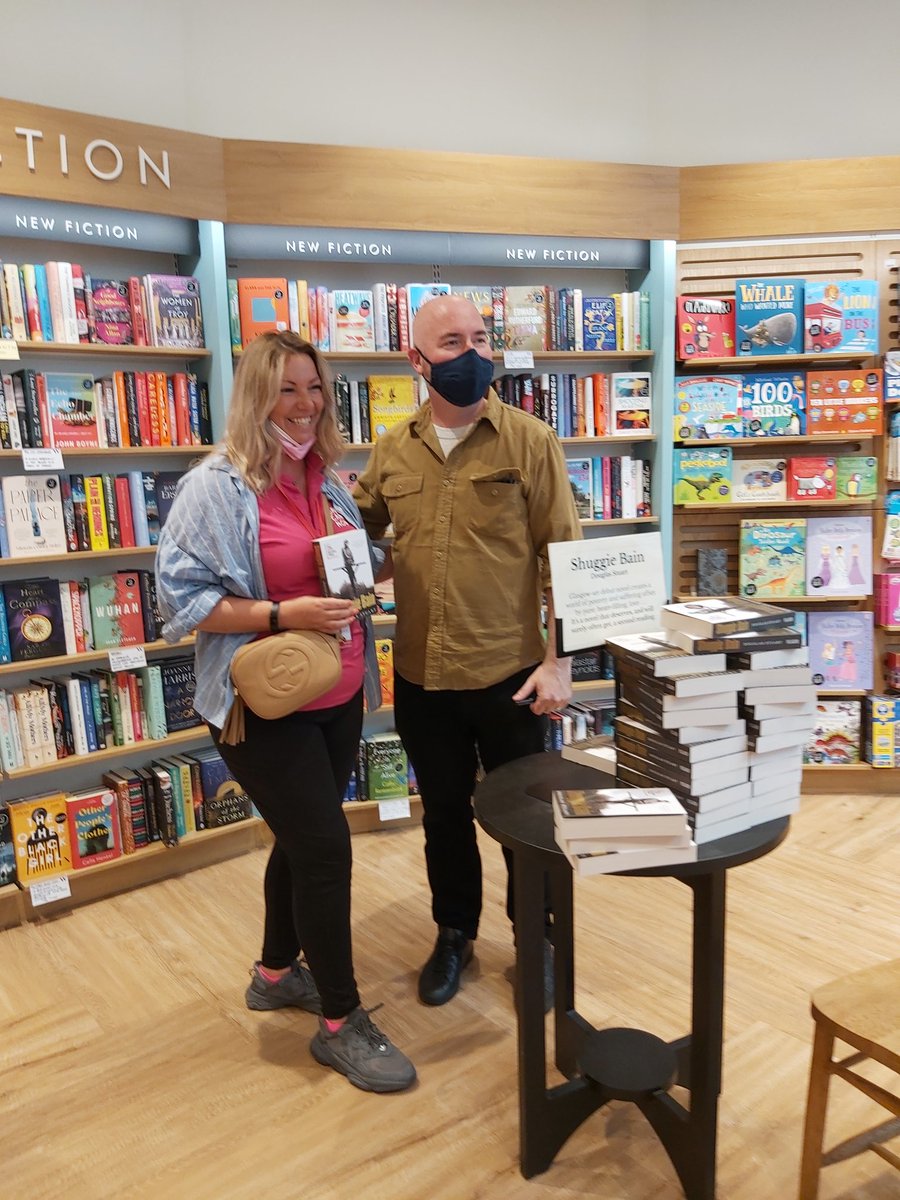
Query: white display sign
x,y
127,658
518,360
9,349
603,587
45,891
393,810
46,458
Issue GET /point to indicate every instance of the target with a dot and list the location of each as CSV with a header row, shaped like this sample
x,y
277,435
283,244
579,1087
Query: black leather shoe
x,y
439,978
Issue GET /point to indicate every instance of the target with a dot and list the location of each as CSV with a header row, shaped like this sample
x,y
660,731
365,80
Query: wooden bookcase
x,y
712,270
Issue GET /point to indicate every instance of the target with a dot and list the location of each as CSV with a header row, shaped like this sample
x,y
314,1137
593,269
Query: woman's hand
x,y
324,614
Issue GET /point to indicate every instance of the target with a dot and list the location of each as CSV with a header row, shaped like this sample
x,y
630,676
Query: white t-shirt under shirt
x,y
450,438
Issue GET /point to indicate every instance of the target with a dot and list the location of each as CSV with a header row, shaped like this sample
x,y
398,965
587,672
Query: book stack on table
x,y
601,830
716,706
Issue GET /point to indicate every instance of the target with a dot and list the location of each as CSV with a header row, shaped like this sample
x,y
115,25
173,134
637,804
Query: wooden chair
x,y
862,1010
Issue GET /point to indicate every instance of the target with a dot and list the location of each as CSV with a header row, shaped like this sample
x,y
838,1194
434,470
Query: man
x,y
475,491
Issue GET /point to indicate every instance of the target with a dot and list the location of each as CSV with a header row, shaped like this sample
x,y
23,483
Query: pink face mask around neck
x,y
295,450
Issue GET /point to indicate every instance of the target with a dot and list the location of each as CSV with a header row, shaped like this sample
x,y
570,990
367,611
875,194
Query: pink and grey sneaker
x,y
297,989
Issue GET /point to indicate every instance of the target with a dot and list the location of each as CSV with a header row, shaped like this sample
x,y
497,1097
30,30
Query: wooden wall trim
x,y
284,184
790,199
195,173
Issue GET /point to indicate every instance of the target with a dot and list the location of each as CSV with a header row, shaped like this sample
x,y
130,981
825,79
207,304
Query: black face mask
x,y
463,380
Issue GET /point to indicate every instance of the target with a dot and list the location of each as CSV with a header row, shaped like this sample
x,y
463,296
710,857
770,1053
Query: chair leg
x,y
816,1104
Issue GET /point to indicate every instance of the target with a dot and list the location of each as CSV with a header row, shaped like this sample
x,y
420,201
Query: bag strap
x,y
326,514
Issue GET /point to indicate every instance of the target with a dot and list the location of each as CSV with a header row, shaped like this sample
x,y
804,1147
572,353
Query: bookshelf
x,y
711,270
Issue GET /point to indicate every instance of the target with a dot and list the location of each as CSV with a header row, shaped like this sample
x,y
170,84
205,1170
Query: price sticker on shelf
x,y
48,458
9,349
518,360
45,891
393,810
126,658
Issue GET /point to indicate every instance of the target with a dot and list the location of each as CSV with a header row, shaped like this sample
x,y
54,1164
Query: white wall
x,y
659,81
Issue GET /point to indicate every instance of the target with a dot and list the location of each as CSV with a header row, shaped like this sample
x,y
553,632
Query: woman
x,y
236,561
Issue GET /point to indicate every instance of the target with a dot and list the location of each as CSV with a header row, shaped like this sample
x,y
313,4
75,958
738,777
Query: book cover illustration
x,y
768,316
345,568
263,307
354,323
34,515
526,318
759,480
179,685
481,296
774,404
844,401
94,827
599,322
387,766
841,315
40,832
116,610
224,800
392,398
112,312
839,556
712,570
166,487
773,559
34,619
705,327
857,477
7,848
836,735
384,653
811,478
581,473
708,407
72,409
702,476
419,294
175,313
631,397
590,812
841,650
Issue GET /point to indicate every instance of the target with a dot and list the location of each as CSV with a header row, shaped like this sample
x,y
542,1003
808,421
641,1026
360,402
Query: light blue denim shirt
x,y
209,548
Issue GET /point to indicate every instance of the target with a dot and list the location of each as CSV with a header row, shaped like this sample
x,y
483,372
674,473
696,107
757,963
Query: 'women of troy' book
x,y
768,316
774,404
708,406
841,650
839,556
175,318
772,560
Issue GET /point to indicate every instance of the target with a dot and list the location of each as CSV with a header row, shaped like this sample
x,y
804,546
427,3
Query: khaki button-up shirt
x,y
470,542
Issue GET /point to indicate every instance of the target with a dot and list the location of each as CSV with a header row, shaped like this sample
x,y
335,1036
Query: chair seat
x,y
864,1010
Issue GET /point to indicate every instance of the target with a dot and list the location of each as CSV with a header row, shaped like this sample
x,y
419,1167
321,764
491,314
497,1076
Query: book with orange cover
x,y
263,307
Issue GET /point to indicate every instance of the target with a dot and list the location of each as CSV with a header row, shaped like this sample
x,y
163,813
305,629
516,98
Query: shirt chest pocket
x,y
403,496
498,503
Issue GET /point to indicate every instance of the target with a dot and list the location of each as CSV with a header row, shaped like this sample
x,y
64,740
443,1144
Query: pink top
x,y
287,525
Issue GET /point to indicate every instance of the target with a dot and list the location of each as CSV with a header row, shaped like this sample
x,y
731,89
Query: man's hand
x,y
551,683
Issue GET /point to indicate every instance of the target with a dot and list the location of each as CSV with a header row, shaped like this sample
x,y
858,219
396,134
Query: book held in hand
x,y
617,812
345,568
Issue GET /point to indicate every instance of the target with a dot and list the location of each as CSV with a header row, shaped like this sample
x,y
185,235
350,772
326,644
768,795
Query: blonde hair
x,y
247,443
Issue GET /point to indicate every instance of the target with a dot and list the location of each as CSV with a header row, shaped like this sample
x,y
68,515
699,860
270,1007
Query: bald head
x,y
447,316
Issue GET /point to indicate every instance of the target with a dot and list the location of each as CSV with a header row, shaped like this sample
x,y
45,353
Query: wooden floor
x,y
129,1066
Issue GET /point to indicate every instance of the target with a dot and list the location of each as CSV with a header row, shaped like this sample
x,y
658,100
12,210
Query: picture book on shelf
x,y
526,318
704,327
581,473
599,320
841,649
630,402
811,478
712,570
844,401
174,318
774,404
263,307
857,477
72,410
759,480
93,827
841,315
392,398
772,559
836,736
768,316
839,556
481,296
702,476
116,612
34,515
40,833
708,406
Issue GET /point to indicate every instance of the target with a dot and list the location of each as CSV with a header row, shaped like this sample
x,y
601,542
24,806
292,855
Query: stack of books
x,y
601,830
716,706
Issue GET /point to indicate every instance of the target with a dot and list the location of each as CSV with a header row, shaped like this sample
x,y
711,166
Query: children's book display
x,y
772,559
839,556
841,650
